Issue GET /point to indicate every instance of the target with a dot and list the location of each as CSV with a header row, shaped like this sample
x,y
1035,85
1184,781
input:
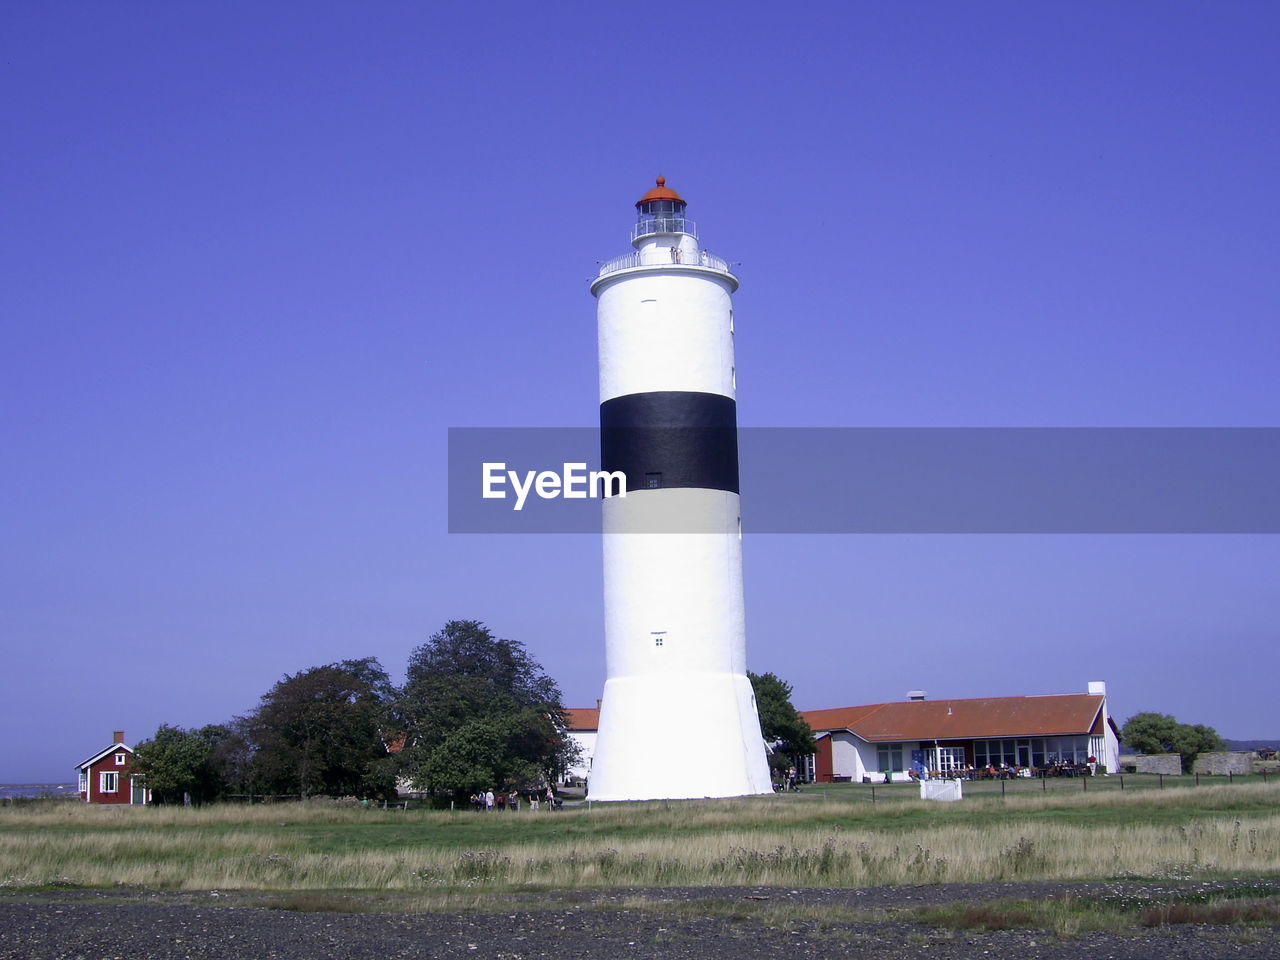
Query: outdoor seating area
x,y
1003,772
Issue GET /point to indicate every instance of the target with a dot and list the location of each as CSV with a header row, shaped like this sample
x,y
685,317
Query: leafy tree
x,y
474,757
1161,733
780,722
480,712
321,731
194,763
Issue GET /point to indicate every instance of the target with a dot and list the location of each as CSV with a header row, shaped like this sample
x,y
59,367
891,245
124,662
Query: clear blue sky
x,y
257,258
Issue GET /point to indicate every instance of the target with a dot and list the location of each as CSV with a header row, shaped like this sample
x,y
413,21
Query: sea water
x,y
8,790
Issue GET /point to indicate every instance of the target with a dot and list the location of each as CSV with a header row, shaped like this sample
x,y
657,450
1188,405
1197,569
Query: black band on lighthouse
x,y
671,439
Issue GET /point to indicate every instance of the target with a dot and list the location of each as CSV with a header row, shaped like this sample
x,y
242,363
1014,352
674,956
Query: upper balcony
x,y
649,226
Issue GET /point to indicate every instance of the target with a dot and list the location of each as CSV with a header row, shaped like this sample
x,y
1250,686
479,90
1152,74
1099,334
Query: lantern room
x,y
661,211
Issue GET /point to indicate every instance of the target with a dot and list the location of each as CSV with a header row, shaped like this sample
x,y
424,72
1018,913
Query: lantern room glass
x,y
662,216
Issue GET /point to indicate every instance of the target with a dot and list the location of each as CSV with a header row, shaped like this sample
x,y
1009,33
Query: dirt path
x,y
681,924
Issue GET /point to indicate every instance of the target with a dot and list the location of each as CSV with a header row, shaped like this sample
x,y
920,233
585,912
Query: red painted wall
x,y
123,792
822,764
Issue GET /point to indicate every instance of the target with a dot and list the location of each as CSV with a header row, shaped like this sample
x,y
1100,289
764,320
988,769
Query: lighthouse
x,y
678,718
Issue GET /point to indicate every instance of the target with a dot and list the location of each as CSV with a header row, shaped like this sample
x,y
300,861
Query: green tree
x,y
780,723
323,731
480,712
473,757
178,763
1161,733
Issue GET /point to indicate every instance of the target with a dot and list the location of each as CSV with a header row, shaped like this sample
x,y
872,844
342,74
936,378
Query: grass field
x,y
831,836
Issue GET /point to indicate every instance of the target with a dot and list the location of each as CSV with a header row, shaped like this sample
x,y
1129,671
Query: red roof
x,y
660,192
583,719
1065,714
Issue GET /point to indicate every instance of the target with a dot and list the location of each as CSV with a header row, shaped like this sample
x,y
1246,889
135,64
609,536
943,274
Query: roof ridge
x,y
1015,696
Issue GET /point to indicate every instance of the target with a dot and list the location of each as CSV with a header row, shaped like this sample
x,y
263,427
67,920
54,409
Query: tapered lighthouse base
x,y
678,738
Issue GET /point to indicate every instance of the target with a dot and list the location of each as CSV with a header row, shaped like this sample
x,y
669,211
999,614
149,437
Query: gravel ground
x,y
136,925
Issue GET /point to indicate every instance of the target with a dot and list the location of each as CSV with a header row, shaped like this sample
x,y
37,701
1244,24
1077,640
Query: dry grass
x,y
1221,913
76,815
776,913
1068,915
766,841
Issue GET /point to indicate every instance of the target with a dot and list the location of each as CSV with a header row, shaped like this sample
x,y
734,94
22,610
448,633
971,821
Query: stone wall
x,y
1236,762
1167,763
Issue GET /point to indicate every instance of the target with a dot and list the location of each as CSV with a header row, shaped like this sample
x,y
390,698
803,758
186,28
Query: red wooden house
x,y
108,777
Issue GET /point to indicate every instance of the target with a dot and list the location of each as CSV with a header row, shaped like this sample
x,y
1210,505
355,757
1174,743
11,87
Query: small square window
x,y
657,641
120,759
652,481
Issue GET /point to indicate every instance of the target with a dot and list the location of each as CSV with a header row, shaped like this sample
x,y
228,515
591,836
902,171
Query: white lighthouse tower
x,y
675,638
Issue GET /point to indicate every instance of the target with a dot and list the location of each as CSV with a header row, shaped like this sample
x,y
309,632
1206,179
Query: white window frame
x,y
950,759
111,777
890,757
120,759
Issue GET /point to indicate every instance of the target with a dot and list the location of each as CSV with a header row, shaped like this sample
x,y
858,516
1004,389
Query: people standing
x,y
488,801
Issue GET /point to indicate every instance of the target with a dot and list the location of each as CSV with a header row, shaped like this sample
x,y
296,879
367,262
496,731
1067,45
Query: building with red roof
x,y
947,736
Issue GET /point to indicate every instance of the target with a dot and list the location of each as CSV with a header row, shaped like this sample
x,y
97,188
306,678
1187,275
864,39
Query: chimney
x,y
119,737
917,694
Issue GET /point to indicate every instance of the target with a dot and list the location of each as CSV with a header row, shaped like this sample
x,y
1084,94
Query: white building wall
x,y
1109,753
853,757
844,754
666,331
586,742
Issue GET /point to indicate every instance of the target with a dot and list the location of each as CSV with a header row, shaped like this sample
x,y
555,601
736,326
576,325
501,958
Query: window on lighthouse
x,y
652,481
662,208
